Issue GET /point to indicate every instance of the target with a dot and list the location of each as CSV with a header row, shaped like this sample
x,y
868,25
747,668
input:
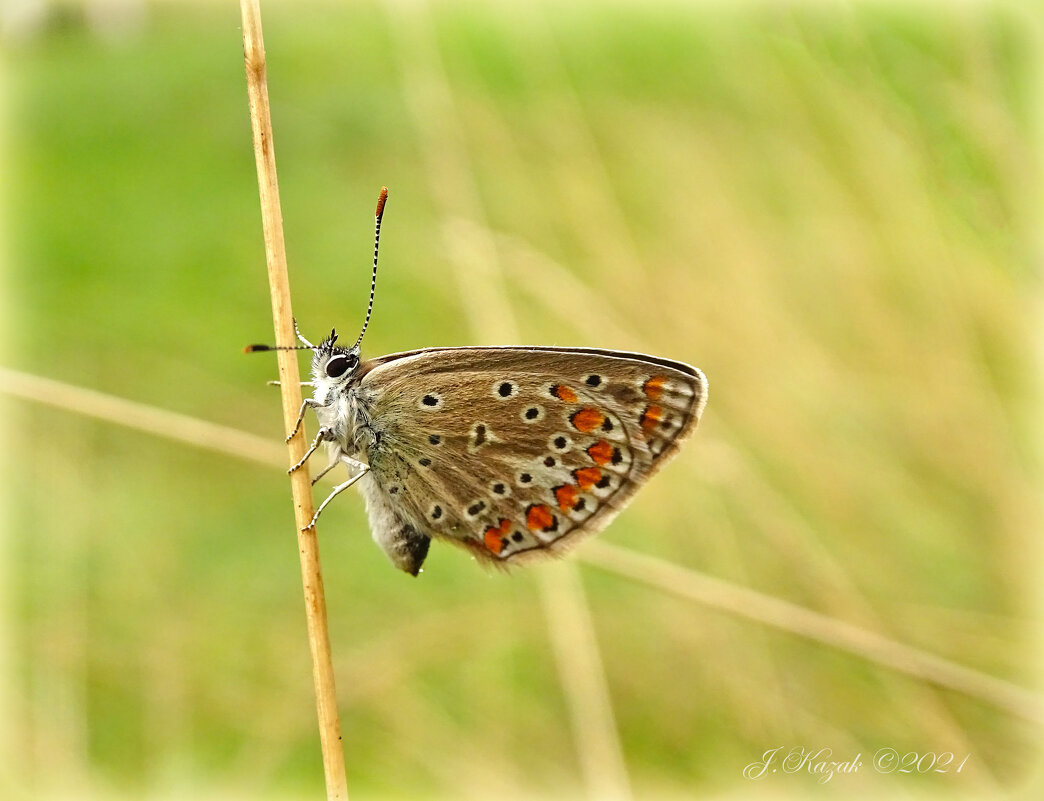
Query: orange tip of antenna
x,y
381,200
255,348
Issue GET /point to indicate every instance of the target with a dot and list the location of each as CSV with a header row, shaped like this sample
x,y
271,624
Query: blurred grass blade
x,y
785,616
142,417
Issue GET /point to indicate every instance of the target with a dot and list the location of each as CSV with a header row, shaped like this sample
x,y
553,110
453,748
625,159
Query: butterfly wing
x,y
516,453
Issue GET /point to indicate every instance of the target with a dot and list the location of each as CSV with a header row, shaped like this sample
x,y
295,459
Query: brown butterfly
x,y
513,453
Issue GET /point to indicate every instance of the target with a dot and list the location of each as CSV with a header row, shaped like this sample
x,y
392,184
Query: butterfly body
x,y
513,453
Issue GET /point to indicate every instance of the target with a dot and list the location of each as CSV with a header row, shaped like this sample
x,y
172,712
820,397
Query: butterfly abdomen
x,y
404,545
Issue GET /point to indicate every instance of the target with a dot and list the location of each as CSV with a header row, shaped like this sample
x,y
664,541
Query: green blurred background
x,y
832,210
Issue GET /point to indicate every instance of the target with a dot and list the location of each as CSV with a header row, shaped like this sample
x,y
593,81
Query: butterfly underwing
x,y
514,453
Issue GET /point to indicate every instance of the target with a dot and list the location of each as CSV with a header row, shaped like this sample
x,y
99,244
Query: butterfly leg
x,y
333,463
337,491
354,465
324,433
308,403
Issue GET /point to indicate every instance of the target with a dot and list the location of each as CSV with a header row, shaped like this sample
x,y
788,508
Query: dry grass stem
x,y
142,417
300,482
579,658
785,616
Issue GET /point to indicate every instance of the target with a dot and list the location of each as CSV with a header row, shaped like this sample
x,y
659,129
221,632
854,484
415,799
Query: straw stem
x,y
300,482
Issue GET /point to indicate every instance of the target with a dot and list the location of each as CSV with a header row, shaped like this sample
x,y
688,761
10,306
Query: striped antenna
x,y
381,200
303,340
262,348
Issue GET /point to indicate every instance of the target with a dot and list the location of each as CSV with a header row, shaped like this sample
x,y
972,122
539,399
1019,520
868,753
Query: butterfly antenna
x,y
298,332
381,200
261,348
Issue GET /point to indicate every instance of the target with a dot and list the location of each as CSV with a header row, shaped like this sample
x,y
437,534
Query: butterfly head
x,y
334,366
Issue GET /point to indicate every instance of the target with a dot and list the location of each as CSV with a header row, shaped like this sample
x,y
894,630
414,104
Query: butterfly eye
x,y
340,364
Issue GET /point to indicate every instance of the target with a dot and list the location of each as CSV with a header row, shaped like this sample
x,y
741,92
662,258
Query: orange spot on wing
x,y
539,517
653,388
566,495
587,420
563,393
587,477
650,417
494,536
601,452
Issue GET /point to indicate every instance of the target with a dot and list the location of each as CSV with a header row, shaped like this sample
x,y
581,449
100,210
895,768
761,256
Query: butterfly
x,y
514,453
